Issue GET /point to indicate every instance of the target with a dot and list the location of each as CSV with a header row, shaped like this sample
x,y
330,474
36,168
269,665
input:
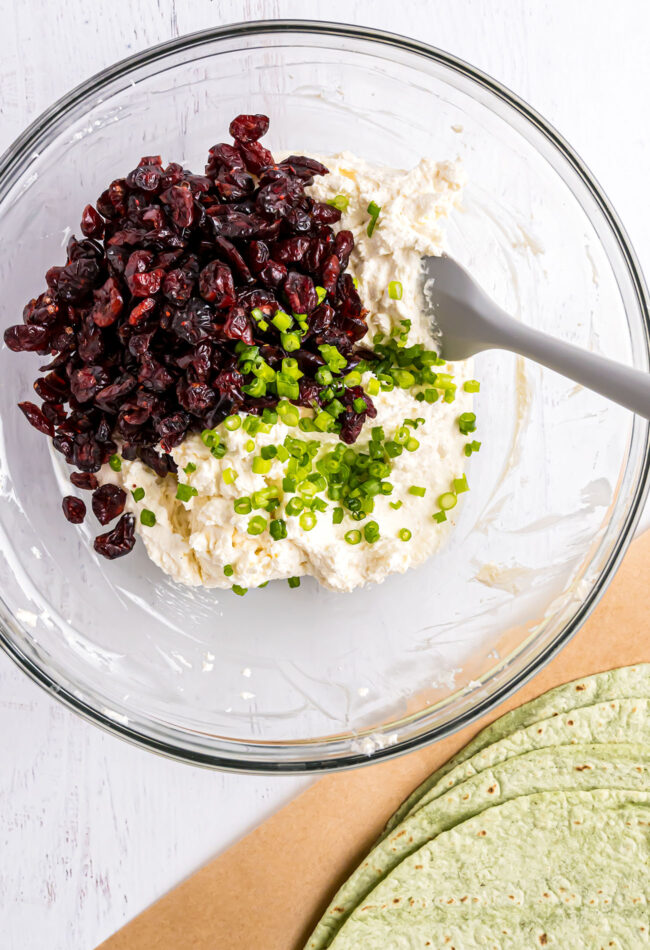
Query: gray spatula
x,y
471,322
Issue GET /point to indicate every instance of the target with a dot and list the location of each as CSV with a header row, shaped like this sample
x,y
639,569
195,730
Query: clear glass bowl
x,y
304,680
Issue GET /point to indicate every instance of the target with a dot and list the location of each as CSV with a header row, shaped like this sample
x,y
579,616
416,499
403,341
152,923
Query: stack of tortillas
x,y
536,834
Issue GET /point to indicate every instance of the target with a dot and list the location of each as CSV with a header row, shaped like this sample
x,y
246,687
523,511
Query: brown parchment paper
x,y
268,890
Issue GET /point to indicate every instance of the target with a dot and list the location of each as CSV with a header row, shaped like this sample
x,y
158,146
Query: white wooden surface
x,y
92,830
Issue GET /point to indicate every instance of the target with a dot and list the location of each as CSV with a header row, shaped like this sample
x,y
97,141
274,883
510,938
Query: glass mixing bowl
x,y
288,680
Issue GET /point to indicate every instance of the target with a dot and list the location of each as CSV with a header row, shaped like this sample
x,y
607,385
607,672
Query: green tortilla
x,y
628,681
510,765
565,870
617,766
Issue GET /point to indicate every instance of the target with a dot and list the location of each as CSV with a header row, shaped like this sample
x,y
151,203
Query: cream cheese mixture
x,y
194,540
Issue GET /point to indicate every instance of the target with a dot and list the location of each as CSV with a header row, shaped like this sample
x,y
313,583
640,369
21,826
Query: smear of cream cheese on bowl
x,y
193,540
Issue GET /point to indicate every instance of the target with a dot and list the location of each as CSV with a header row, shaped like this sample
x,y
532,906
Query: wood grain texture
x,y
92,830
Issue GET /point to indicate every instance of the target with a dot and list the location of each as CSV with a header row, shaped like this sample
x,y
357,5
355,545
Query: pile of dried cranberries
x,y
174,271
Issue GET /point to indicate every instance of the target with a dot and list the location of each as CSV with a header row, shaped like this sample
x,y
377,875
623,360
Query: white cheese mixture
x,y
192,541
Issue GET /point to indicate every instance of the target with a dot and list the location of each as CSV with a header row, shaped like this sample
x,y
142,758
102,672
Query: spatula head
x,y
462,315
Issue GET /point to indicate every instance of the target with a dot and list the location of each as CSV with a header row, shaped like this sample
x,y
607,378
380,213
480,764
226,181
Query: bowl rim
x,y
13,161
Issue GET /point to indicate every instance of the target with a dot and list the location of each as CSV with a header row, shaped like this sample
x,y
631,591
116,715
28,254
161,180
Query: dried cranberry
x,y
142,279
172,430
74,509
300,292
85,480
223,156
148,175
290,251
216,285
330,273
273,274
303,167
324,213
108,303
119,541
180,201
238,326
249,128
35,416
140,312
92,223
234,184
343,244
108,502
27,339
194,323
256,157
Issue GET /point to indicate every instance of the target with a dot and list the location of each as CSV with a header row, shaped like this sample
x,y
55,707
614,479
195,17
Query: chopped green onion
x,y
323,421
431,395
147,518
268,452
189,468
337,516
218,451
228,570
256,389
232,422
229,475
472,386
395,504
339,201
256,525
288,414
335,360
257,314
306,424
240,591
373,387
185,492
439,516
242,506
269,416
447,500
261,466
307,520
290,341
293,582
460,485
393,450
403,378
353,537
412,445
373,211
467,422
359,404
417,490
321,294
294,506
356,283
281,321
371,532
377,434
404,534
138,494
353,378
115,463
395,290
209,438
249,445
278,529
323,376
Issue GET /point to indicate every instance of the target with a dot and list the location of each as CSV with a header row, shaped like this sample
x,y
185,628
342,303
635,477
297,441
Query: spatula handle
x,y
622,384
